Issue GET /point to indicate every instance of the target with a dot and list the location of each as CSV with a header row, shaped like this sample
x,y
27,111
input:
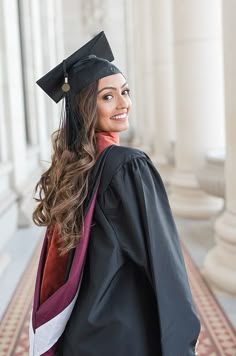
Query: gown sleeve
x,y
136,205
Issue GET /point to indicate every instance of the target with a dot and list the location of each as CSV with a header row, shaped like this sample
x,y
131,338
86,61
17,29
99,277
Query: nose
x,y
123,102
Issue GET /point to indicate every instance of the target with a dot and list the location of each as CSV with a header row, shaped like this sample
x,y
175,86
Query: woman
x,y
120,288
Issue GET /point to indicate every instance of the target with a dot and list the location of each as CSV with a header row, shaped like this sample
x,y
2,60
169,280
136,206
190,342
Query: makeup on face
x,y
113,103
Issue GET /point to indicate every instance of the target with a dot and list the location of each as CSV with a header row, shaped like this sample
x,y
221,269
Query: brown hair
x,y
63,188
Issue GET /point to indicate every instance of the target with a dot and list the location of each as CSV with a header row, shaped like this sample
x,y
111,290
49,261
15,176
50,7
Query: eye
x,y
107,97
126,92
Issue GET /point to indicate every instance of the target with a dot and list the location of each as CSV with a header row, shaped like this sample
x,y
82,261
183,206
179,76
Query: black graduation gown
x,y
134,298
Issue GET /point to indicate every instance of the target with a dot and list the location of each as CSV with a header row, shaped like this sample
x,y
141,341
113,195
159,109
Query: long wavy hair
x,y
63,188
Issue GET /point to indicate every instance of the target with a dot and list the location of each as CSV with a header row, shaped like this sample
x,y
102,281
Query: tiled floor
x,y
17,251
217,337
196,235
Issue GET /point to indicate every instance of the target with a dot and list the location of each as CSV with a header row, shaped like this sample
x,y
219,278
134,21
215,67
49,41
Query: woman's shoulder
x,y
123,154
119,157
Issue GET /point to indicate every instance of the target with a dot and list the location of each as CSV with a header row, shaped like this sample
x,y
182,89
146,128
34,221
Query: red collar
x,y
105,139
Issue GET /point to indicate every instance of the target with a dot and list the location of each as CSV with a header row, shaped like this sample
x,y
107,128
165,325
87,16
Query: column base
x,y
141,146
189,201
26,203
165,169
4,261
8,216
8,225
211,177
220,262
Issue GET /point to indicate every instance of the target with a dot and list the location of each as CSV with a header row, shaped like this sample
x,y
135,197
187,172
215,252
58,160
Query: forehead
x,y
115,80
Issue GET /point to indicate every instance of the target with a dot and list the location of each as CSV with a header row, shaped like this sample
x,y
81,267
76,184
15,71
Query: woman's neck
x,y
106,139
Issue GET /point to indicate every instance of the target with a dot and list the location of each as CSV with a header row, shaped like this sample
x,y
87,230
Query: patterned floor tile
x,y
217,337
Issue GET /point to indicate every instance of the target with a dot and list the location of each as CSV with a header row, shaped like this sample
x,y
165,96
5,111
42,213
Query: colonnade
x,y
182,93
27,49
192,105
220,264
181,58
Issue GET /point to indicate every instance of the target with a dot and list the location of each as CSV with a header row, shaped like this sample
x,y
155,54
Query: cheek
x,y
99,112
102,117
104,111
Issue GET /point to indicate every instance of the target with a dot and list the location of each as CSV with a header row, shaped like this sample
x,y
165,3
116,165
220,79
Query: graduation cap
x,y
88,64
85,66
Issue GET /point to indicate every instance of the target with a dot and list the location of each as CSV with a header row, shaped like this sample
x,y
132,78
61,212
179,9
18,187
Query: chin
x,y
124,127
121,129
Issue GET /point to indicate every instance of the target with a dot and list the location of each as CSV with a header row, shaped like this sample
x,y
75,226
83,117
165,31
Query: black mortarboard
x,y
88,64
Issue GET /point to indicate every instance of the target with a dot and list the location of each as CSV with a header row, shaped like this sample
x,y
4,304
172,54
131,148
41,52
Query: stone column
x,y
163,86
39,70
14,93
129,47
115,13
12,127
25,27
72,23
60,49
136,65
144,82
59,28
199,102
220,263
145,38
7,197
8,206
52,38
37,139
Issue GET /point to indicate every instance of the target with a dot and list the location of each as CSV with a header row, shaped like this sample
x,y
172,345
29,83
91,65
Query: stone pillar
x,y
136,65
57,10
37,138
52,38
73,23
129,47
6,193
199,102
59,28
38,34
145,38
25,24
8,205
144,83
12,127
163,85
220,263
115,13
14,93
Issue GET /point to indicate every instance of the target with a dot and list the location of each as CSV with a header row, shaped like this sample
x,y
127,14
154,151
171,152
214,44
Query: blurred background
x,y
179,57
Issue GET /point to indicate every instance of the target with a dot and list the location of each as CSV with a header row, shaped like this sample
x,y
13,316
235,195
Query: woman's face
x,y
113,104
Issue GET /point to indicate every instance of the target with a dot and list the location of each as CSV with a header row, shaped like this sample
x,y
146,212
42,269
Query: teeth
x,y
123,116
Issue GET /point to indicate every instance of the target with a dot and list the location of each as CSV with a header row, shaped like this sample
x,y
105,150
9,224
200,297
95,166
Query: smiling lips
x,y
121,117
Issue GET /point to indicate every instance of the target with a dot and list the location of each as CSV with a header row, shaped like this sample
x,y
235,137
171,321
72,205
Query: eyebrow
x,y
113,88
